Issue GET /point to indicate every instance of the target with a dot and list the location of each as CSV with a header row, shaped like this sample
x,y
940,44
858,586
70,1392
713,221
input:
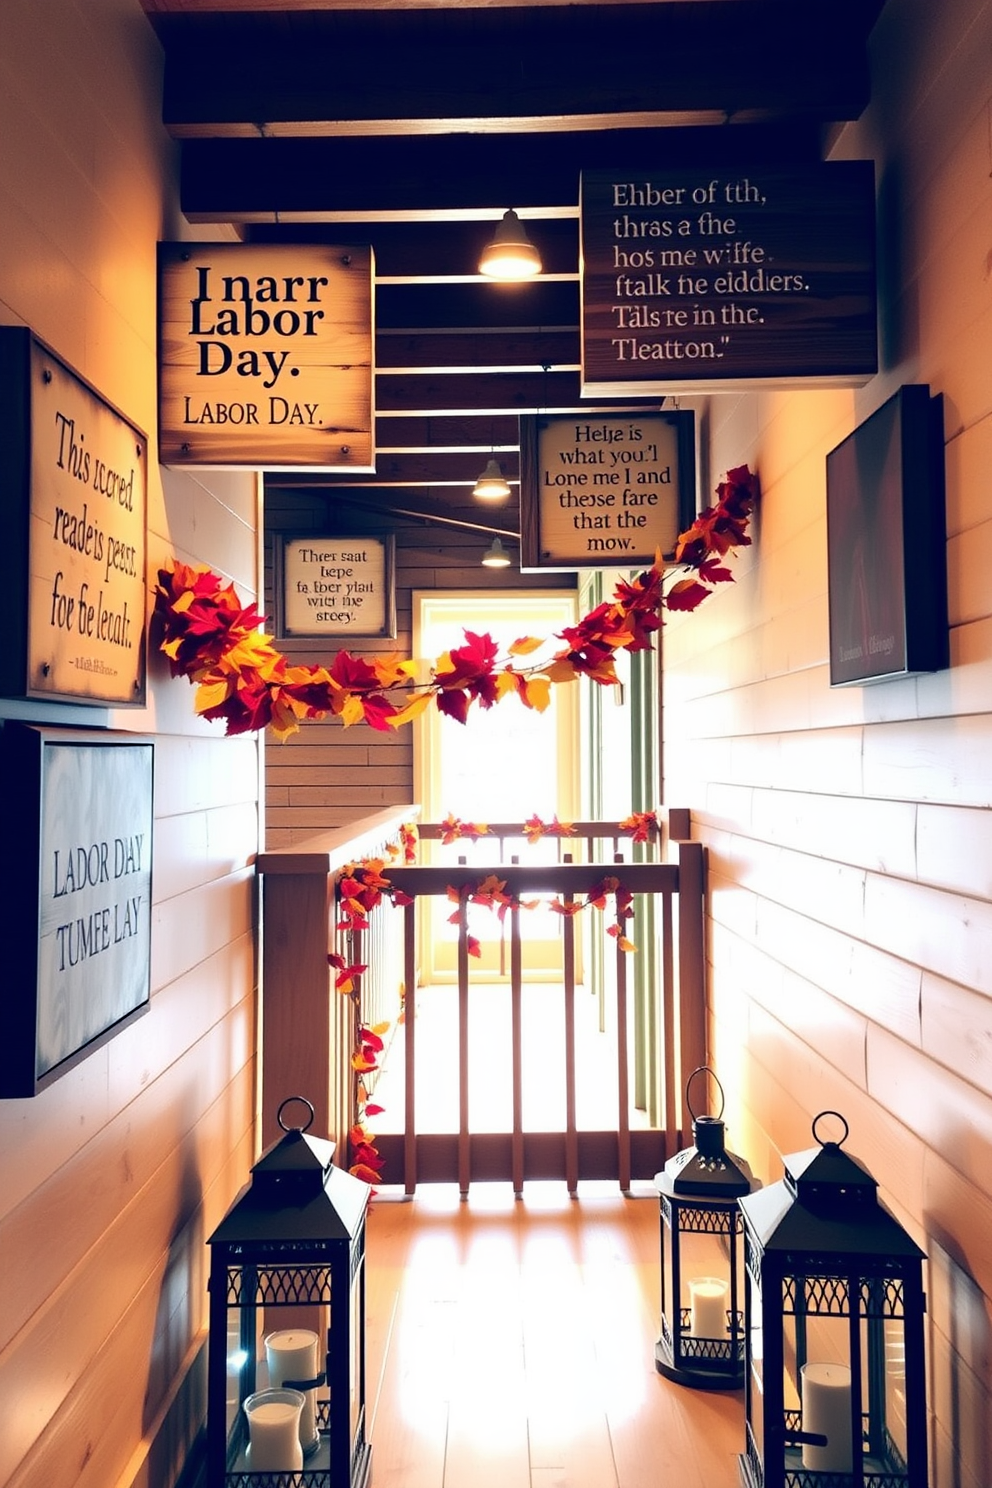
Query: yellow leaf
x,y
171,648
625,944
391,670
413,709
537,691
352,710
210,695
525,646
506,681
380,1028
182,604
560,670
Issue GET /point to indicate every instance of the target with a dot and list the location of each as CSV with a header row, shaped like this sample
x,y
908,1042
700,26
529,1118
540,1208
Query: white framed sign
x,y
335,586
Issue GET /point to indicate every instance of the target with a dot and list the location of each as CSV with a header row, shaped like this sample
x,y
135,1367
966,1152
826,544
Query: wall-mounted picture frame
x,y
887,544
335,585
73,532
75,876
604,490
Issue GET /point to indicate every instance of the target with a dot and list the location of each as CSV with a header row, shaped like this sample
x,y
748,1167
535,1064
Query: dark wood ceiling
x,y
413,127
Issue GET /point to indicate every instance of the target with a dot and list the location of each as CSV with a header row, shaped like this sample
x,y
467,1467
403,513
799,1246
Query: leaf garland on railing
x,y
362,886
218,644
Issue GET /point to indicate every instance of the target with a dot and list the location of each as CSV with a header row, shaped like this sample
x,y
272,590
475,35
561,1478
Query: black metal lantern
x,y
702,1278
286,1370
835,1394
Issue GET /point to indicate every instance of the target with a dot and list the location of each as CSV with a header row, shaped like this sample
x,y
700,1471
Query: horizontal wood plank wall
x,y
326,775
850,830
112,1178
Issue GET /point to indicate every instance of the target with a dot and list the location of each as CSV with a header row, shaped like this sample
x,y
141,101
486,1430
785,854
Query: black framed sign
x,y
604,490
75,874
335,586
886,543
73,533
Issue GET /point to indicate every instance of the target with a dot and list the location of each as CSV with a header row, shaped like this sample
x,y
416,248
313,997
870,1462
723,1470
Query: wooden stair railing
x,y
307,1035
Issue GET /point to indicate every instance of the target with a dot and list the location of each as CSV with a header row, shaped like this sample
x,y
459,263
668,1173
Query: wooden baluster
x,y
623,1093
623,1090
692,1000
568,971
464,1139
410,1046
516,1036
670,1061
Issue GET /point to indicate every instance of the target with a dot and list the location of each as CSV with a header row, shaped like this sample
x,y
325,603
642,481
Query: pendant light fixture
x,y
492,484
511,255
495,555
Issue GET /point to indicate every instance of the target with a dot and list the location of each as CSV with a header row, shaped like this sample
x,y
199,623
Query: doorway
x,y
507,763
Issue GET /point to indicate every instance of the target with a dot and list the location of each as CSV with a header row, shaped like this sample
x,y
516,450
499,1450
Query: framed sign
x,y
335,586
604,490
265,355
73,533
696,278
886,543
76,851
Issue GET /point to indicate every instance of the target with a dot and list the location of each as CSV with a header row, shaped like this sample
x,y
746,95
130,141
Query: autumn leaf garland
x,y
240,677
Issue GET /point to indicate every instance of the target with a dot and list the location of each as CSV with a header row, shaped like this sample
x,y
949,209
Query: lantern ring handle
x,y
842,1121
288,1102
704,1069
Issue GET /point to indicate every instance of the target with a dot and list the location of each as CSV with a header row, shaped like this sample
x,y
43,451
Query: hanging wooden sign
x,y
696,279
604,491
265,356
72,530
335,586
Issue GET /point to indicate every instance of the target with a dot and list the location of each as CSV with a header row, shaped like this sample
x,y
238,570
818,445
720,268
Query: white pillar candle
x,y
826,1392
274,1430
292,1355
708,1307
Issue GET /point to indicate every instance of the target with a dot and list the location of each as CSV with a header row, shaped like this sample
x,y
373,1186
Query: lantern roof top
x,y
296,1192
706,1170
826,1204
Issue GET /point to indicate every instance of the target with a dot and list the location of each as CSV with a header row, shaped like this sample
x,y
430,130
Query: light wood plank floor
x,y
511,1345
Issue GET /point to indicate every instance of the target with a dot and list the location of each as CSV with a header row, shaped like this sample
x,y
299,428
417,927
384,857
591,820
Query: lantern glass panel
x,y
895,1387
704,1292
755,1383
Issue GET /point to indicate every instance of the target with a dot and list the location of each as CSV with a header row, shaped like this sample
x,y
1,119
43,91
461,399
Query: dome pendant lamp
x,y
496,555
511,255
492,484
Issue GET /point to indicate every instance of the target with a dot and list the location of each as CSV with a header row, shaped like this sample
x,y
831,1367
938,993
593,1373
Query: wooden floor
x,y
511,1345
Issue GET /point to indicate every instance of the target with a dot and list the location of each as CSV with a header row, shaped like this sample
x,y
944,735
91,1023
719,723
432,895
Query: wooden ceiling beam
x,y
310,71
238,180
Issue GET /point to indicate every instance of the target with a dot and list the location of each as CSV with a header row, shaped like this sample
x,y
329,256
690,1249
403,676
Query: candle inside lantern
x,y
708,1307
292,1358
274,1430
826,1393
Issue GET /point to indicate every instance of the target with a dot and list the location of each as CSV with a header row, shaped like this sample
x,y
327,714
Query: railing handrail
x,y
548,878
329,851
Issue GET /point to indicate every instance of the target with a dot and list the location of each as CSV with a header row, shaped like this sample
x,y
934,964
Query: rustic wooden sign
x,y
600,491
693,279
75,872
265,356
72,527
335,586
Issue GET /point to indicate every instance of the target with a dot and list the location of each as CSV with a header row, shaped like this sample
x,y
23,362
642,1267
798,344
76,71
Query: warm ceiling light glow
x,y
492,484
495,555
511,254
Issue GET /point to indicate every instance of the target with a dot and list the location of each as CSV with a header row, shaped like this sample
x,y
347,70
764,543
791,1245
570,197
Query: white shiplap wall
x,y
849,831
